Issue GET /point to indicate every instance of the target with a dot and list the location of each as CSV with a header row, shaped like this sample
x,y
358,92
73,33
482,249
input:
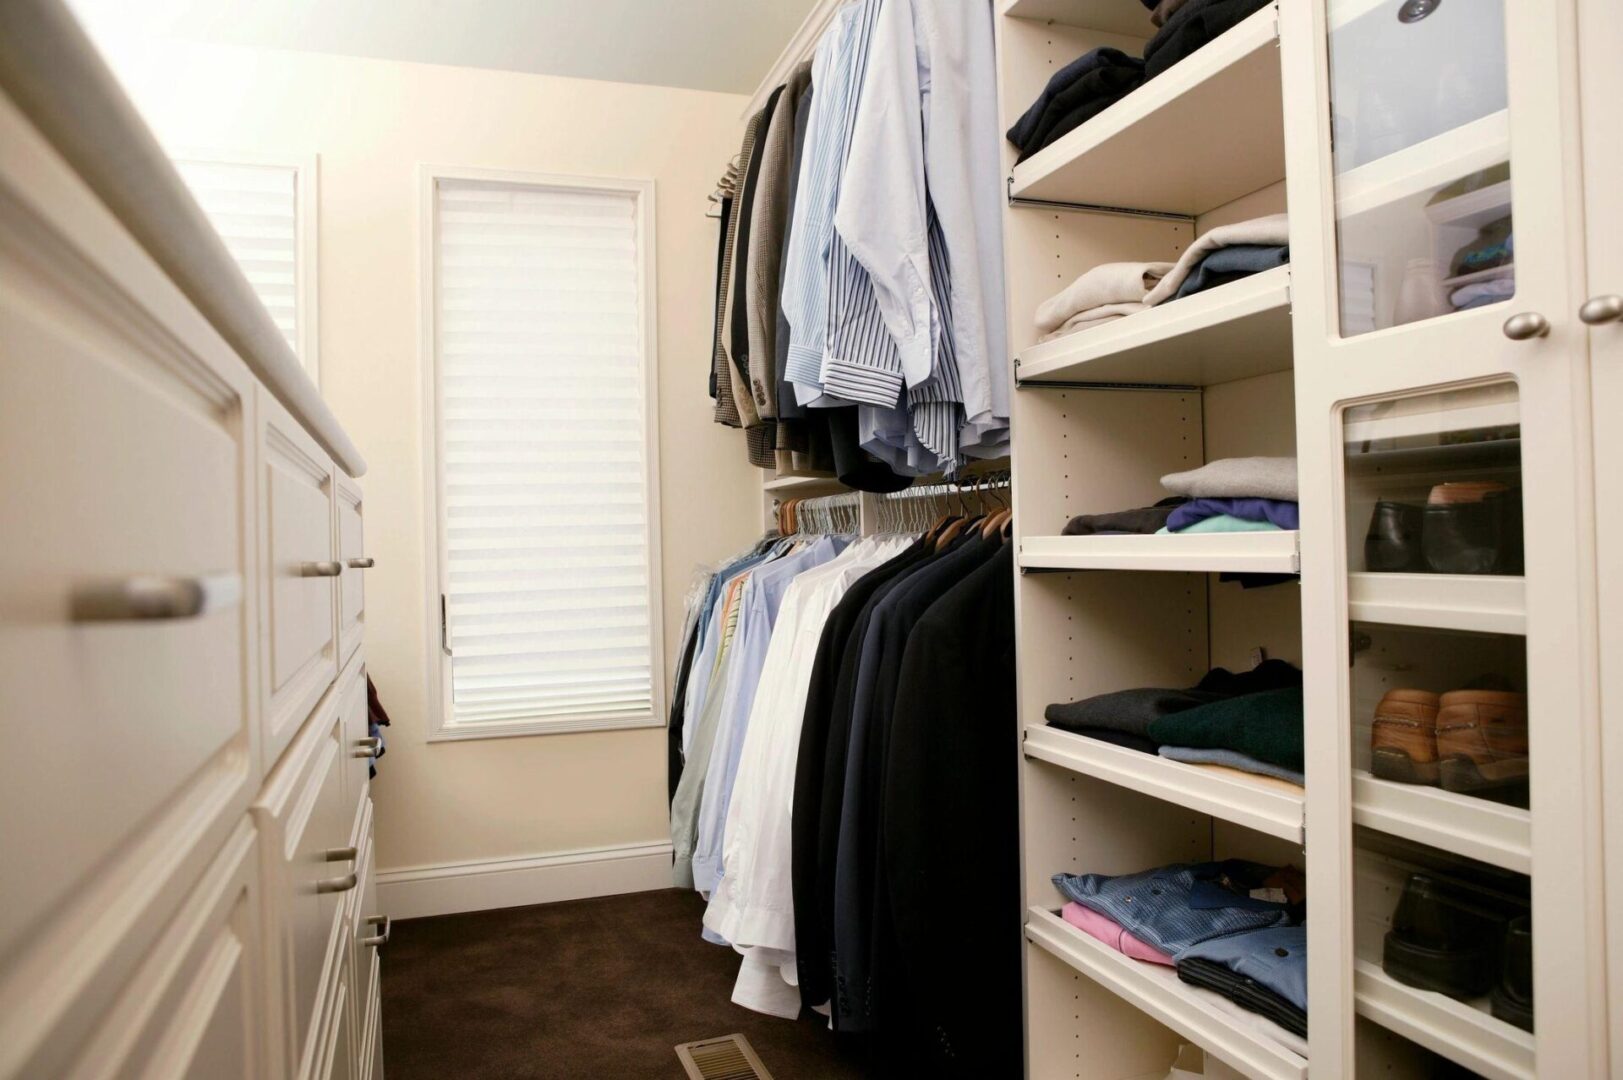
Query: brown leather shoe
x,y
1482,743
1403,739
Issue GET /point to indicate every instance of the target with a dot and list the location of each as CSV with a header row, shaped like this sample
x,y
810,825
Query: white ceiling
x,y
724,45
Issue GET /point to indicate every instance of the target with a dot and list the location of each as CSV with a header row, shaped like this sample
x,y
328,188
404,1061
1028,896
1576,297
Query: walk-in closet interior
x,y
984,539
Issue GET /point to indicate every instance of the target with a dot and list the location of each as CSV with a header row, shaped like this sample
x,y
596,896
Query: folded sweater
x,y
1222,523
1233,263
1104,285
1025,128
1272,231
1195,24
1145,519
1133,711
1237,478
1266,726
1280,512
1113,77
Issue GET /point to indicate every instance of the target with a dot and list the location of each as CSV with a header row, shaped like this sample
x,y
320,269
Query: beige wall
x,y
372,122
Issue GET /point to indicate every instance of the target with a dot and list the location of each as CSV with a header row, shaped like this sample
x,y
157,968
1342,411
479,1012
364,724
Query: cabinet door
x,y
298,572
351,539
357,750
1600,24
1445,564
340,1061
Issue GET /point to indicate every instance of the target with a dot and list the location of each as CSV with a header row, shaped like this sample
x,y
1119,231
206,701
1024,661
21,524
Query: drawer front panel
x,y
351,550
357,759
297,568
126,452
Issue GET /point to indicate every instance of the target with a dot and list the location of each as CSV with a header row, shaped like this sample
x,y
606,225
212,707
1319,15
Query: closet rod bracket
x,y
1093,208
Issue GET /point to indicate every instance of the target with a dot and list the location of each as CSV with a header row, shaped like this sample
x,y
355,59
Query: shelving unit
x,y
1156,990
1251,553
1484,603
1119,158
1235,331
1462,1032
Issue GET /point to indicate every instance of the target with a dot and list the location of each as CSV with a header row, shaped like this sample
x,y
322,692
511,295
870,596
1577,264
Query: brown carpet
x,y
582,990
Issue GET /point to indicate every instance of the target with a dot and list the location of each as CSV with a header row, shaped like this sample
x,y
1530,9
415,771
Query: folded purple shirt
x,y
1283,514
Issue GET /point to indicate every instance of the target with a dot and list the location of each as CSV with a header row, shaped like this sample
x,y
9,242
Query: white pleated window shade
x,y
255,209
545,547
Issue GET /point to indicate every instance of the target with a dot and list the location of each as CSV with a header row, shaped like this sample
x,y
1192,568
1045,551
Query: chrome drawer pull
x,y
364,562
149,596
320,569
367,747
336,884
341,854
381,938
1526,325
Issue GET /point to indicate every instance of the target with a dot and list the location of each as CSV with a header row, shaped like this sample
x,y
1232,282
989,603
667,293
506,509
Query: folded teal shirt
x,y
1266,725
1222,523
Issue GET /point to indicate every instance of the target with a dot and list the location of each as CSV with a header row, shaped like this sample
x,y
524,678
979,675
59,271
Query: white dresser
x,y
185,828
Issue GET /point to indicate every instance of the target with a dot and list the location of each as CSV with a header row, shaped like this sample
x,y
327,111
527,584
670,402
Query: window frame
x,y
306,228
441,728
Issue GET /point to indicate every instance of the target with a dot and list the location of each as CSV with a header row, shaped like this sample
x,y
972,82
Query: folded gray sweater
x,y
1235,478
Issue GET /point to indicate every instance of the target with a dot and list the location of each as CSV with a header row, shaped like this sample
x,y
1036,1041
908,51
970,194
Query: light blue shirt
x,y
763,593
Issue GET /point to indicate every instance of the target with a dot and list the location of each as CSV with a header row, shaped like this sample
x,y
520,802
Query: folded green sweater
x,y
1266,725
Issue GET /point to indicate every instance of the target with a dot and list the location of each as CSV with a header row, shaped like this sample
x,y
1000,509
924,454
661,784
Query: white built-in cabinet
x,y
186,865
1400,135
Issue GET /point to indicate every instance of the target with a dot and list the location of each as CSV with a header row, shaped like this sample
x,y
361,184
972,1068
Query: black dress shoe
x,y
1474,537
1446,936
1392,544
1513,993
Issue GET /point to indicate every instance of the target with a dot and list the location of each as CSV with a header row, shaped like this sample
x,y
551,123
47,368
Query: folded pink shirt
x,y
1107,930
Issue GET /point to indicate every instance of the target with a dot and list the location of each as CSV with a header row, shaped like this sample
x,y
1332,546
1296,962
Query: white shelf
x,y
1116,16
1476,828
1157,991
1183,142
1254,552
1420,169
1234,331
1464,1033
1486,603
1254,806
1474,209
801,485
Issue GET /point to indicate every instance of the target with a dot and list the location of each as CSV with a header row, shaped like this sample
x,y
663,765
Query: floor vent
x,y
728,1058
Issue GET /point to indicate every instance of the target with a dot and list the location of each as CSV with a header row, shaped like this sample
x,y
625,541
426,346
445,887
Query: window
x,y
264,210
539,358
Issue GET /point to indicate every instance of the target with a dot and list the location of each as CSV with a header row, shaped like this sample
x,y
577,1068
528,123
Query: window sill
x,y
507,729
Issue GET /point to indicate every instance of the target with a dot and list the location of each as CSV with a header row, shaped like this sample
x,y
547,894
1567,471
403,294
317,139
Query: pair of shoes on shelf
x,y
1465,942
1466,527
1469,741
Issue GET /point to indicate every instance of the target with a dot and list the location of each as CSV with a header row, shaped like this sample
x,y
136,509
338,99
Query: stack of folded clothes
x,y
1235,495
1484,271
1115,290
1233,927
1131,719
1098,79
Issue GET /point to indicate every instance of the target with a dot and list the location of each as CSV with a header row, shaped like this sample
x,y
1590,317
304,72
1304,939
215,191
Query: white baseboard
x,y
443,889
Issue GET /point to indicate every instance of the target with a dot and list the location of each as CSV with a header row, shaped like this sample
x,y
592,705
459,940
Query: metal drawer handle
x,y
1526,324
1600,310
320,569
382,937
336,884
341,854
367,747
364,562
149,596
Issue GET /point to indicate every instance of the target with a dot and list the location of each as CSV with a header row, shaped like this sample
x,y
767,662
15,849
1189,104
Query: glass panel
x,y
1421,152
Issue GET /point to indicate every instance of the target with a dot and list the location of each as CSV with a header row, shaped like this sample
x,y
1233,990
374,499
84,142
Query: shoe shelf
x,y
1257,552
1464,1032
1116,16
1475,828
1264,806
1156,990
1485,603
1415,172
1234,331
1182,143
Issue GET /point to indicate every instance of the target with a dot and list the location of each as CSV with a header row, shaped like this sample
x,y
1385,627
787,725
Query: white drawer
x,y
357,752
351,537
369,933
302,813
299,573
339,1059
126,437
195,1007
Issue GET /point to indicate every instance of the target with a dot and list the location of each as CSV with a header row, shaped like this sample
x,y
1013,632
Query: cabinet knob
x,y
147,596
364,562
367,747
382,936
1526,324
336,884
320,569
1600,310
